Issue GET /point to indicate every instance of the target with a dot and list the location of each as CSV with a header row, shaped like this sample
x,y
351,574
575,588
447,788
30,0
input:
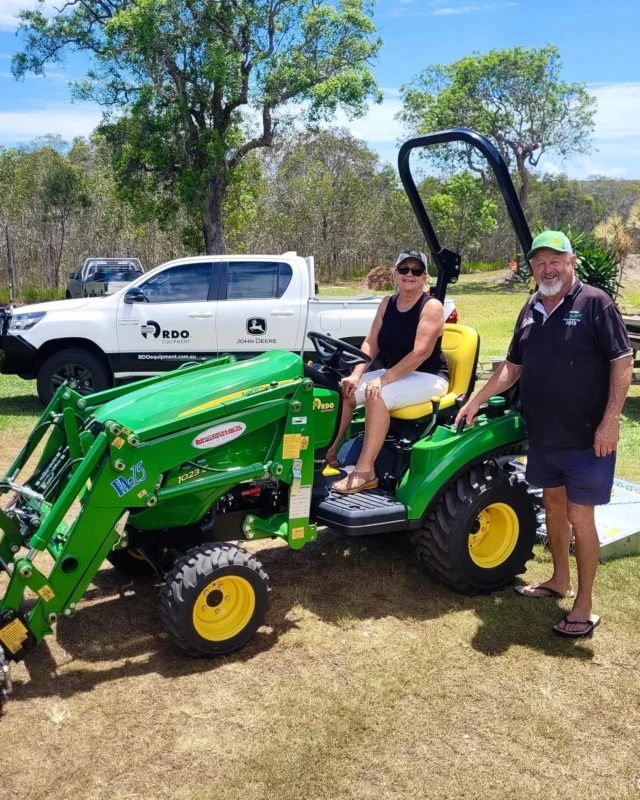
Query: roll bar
x,y
447,262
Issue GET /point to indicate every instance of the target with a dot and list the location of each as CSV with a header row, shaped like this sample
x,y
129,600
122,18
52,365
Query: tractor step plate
x,y
375,511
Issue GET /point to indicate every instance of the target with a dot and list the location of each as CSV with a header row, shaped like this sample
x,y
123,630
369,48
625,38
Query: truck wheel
x,y
130,562
214,600
481,533
84,371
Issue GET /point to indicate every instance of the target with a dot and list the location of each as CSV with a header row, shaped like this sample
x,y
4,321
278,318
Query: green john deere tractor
x,y
166,472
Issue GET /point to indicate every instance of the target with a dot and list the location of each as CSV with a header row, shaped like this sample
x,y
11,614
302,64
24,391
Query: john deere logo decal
x,y
150,329
256,326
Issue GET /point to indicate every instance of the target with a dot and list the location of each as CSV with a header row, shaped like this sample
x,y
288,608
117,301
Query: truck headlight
x,y
24,322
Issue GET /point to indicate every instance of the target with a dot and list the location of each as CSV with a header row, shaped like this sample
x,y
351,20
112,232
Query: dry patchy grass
x,y
370,681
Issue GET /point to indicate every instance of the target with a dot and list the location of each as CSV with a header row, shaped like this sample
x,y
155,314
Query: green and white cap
x,y
553,240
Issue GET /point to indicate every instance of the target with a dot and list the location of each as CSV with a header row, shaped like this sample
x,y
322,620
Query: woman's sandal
x,y
372,483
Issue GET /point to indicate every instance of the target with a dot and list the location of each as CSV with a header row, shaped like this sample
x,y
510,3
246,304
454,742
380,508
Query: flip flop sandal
x,y
548,592
576,634
372,484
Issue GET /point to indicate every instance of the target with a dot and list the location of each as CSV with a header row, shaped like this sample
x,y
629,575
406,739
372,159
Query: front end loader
x,y
166,474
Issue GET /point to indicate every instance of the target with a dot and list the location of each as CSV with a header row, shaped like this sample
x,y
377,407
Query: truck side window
x,y
257,280
181,284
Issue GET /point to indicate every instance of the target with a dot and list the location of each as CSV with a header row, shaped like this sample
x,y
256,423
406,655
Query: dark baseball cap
x,y
417,254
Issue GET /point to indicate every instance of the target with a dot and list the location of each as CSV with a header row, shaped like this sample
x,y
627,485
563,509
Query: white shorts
x,y
414,388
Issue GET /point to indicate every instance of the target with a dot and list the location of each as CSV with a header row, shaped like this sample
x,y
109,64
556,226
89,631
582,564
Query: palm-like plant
x,y
597,264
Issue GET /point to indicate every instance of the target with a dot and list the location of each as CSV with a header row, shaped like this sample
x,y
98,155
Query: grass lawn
x,y
371,681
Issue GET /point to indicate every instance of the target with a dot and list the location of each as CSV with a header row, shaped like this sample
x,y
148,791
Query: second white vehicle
x,y
191,309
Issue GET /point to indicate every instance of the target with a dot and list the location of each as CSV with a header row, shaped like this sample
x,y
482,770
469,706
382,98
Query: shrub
x,y
597,265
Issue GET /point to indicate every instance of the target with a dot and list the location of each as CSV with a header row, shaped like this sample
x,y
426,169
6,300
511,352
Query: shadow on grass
x,y
339,580
21,406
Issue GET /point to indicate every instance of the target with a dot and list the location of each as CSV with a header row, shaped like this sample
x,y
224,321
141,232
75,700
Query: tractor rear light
x,y
453,317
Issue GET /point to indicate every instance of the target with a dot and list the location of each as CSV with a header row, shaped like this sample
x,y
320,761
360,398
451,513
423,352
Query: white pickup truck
x,y
191,309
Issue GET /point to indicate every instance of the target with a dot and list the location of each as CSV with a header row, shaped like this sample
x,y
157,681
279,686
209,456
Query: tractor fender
x,y
439,460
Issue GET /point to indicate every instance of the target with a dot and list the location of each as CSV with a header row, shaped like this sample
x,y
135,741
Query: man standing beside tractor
x,y
571,353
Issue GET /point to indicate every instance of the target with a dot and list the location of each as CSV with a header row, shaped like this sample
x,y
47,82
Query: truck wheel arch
x,y
56,346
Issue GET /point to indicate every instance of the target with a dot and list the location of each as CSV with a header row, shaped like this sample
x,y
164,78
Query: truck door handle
x,y
285,312
200,314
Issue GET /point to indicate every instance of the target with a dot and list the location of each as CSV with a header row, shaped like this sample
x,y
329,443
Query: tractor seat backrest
x,y
460,347
460,344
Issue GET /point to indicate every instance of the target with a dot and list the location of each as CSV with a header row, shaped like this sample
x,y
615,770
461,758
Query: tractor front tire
x,y
481,533
214,600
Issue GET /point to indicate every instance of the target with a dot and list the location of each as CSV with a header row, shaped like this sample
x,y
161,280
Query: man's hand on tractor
x,y
607,435
469,410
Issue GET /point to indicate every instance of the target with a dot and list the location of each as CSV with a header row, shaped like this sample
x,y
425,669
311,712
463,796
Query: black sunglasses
x,y
416,271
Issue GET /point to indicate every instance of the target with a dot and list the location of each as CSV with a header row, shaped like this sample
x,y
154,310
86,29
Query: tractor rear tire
x,y
214,600
481,532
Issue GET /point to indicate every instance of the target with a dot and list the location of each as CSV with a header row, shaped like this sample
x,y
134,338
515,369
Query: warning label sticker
x,y
46,593
291,445
13,635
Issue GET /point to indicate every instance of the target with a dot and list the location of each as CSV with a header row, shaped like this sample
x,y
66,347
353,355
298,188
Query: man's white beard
x,y
549,291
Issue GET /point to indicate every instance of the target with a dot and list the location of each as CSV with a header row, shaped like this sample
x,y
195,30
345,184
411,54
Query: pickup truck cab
x,y
100,276
186,310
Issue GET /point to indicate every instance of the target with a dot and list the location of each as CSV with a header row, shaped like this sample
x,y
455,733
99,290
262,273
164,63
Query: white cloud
x,y
618,113
446,10
378,125
10,8
66,119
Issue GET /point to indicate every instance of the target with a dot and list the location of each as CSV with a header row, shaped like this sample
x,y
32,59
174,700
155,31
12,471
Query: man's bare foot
x,y
577,623
546,589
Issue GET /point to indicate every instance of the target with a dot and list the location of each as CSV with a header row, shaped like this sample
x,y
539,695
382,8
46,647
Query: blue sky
x,y
598,41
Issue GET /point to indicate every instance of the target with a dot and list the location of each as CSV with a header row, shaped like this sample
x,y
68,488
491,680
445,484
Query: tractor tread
x,y
445,528
188,572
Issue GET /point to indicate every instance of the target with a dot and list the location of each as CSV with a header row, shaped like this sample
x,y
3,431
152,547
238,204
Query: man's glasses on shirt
x,y
416,271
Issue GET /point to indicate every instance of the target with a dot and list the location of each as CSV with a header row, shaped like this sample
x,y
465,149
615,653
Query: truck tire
x,y
85,372
481,532
214,600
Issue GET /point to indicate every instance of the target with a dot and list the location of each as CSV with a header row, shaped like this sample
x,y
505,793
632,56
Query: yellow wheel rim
x,y
494,535
224,608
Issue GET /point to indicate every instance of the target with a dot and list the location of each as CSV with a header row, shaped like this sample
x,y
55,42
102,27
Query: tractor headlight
x,y
24,322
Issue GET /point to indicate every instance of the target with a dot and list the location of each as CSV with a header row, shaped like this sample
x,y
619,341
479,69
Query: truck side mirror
x,y
134,295
73,276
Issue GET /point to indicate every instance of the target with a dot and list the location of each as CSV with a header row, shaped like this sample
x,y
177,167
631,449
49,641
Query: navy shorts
x,y
588,478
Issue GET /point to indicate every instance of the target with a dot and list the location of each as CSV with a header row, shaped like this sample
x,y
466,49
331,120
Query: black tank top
x,y
397,337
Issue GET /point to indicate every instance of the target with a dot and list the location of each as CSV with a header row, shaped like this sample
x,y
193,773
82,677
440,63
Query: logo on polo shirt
x,y
573,318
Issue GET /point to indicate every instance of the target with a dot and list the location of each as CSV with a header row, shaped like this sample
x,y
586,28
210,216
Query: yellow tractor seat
x,y
460,345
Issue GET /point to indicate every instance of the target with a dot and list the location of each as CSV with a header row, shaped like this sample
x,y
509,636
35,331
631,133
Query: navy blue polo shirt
x,y
565,358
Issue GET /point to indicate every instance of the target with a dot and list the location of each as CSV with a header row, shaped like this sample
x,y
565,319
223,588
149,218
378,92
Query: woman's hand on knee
x,y
349,386
374,388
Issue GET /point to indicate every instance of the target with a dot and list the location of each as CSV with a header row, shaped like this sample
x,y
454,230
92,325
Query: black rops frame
x,y
446,261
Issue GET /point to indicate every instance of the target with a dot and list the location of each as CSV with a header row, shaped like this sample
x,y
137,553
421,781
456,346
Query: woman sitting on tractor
x,y
407,333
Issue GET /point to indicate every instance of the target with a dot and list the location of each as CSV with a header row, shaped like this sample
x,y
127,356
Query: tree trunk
x,y
212,217
10,264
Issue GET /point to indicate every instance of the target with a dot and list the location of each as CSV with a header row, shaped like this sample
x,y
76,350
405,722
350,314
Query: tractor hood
x,y
184,394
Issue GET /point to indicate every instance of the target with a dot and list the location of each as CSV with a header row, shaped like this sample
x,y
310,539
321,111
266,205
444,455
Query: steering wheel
x,y
336,354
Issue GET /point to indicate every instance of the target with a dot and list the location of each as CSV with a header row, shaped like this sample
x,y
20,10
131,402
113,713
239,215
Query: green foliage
x,y
515,97
596,265
182,73
462,212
